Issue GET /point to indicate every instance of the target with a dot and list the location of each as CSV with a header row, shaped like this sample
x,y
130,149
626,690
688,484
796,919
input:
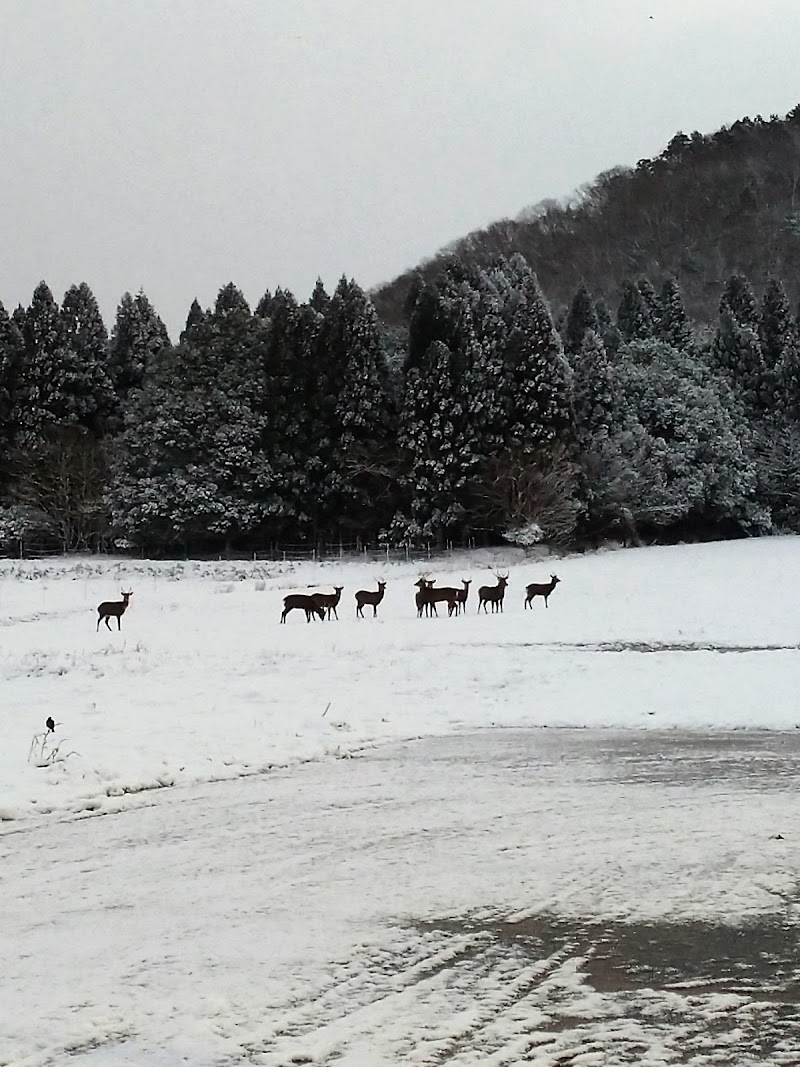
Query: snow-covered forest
x,y
484,419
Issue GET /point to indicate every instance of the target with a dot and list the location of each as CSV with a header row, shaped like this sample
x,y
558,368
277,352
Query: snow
x,y
250,900
202,682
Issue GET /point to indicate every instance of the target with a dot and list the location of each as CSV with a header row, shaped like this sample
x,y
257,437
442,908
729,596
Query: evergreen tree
x,y
633,315
779,344
46,368
190,465
675,455
736,352
674,327
319,301
136,339
359,414
85,335
538,374
434,434
195,317
296,433
653,303
11,347
739,300
595,403
582,316
428,323
606,327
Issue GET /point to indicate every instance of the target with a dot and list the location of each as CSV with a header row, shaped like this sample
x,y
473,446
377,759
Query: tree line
x,y
482,418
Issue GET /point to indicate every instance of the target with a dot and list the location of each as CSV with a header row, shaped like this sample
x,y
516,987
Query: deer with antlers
x,y
493,594
543,589
302,601
328,601
370,596
427,598
113,609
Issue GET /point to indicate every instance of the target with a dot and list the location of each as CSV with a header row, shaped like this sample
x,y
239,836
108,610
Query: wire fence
x,y
32,548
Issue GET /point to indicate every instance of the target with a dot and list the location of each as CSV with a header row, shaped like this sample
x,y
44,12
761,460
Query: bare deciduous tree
x,y
525,492
60,481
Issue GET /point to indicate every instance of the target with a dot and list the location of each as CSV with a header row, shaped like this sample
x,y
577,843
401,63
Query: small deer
x,y
462,594
112,609
493,594
328,601
370,596
423,604
304,601
428,597
542,589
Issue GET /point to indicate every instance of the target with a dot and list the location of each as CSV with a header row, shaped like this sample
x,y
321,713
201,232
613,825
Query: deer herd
x,y
428,596
324,605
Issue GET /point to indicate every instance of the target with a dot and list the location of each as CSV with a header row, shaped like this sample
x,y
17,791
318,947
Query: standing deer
x,y
493,594
328,601
112,609
302,600
428,597
423,585
370,596
543,589
462,594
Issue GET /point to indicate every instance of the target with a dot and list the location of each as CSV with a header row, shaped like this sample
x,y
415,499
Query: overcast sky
x,y
176,145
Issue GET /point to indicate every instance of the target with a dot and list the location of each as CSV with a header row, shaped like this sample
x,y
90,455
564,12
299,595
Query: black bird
x,y
50,724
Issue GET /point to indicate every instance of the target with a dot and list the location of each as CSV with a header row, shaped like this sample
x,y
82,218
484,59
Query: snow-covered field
x,y
476,897
202,682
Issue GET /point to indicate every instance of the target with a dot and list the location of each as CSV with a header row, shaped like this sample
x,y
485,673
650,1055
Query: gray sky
x,y
176,145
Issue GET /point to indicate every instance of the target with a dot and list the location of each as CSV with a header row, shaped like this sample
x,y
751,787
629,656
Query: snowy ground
x,y
624,893
203,682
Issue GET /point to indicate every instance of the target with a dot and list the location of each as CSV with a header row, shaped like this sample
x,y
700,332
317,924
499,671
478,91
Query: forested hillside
x,y
475,415
707,207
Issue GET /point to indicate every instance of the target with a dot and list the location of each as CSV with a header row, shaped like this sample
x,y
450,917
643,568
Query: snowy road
x,y
553,897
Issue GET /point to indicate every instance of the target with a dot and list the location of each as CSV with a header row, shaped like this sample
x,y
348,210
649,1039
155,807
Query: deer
x,y
370,596
112,609
493,594
428,597
307,602
543,589
462,594
328,601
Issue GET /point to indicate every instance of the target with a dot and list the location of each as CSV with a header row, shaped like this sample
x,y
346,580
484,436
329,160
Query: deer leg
x,y
119,622
108,624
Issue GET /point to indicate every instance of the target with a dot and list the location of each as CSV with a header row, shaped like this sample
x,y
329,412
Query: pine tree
x,y
674,327
538,374
582,316
633,315
434,434
428,323
195,317
11,348
190,466
360,418
739,300
776,327
136,339
45,369
606,327
319,300
596,405
85,334
653,304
